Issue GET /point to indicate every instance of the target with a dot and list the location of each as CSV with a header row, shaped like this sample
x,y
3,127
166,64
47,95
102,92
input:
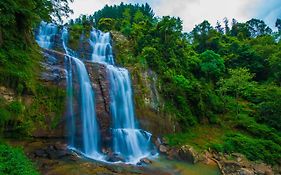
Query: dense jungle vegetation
x,y
221,83
19,69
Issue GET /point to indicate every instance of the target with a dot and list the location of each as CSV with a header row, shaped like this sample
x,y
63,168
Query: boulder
x,y
60,146
157,142
262,169
113,157
145,161
7,94
173,154
187,153
40,153
244,171
231,166
163,149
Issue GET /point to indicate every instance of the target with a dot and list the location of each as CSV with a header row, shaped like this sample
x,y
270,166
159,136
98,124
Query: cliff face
x,y
54,73
148,103
100,83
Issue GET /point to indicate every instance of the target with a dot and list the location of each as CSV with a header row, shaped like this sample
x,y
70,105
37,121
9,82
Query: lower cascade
x,y
128,142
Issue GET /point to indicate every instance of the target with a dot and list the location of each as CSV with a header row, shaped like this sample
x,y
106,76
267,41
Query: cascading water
x,y
102,50
46,34
128,141
90,133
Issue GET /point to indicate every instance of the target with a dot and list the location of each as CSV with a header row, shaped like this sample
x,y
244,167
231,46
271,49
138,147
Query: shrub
x,y
14,162
253,148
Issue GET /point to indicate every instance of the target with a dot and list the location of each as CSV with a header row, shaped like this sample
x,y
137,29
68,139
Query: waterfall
x,y
90,133
46,34
128,141
102,50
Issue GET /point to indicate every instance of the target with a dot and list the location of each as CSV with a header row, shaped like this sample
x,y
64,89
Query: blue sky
x,y
193,12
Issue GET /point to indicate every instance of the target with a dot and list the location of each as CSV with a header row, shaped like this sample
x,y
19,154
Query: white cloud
x,y
193,12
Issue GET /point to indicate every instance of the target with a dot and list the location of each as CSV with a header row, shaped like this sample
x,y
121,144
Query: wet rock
x,y
187,153
172,154
230,166
157,142
146,161
244,171
40,153
60,146
163,149
53,73
100,83
74,157
164,141
7,94
113,157
262,169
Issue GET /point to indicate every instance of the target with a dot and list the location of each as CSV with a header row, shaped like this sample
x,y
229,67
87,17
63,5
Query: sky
x,y
193,12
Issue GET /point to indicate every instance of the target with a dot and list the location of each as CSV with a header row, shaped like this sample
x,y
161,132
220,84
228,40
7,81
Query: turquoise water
x,y
182,168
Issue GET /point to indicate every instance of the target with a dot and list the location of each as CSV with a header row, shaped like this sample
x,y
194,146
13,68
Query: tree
x,y
106,24
226,26
219,27
126,22
240,30
275,65
278,24
138,17
239,79
212,65
258,28
201,35
60,9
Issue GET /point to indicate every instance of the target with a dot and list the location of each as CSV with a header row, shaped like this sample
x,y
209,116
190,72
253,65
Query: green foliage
x,y
48,106
252,148
16,107
14,162
275,65
250,126
258,28
106,24
239,80
125,15
212,65
75,33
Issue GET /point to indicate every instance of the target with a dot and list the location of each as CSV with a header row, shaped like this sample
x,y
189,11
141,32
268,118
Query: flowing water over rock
x,y
128,143
90,133
46,34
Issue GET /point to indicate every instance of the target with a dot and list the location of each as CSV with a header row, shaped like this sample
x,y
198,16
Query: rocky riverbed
x,y
52,157
229,164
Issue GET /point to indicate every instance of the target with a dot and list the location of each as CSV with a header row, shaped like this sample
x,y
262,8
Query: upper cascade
x,y
102,49
46,34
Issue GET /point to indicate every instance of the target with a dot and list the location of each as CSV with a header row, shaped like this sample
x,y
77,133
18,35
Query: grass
x,y
199,136
14,162
242,134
